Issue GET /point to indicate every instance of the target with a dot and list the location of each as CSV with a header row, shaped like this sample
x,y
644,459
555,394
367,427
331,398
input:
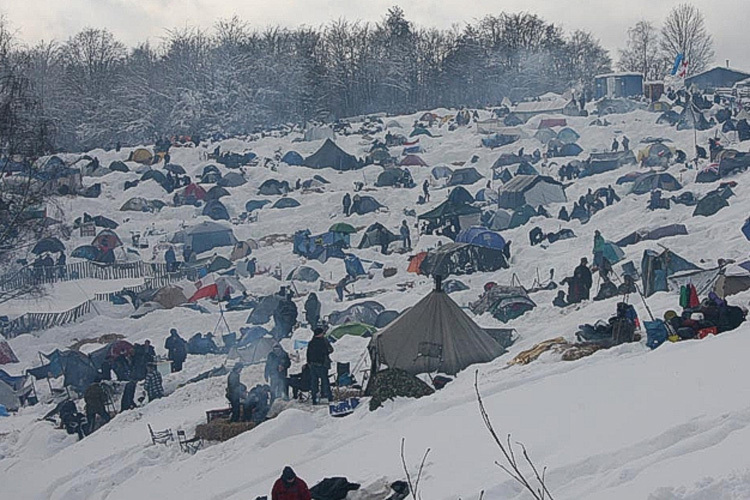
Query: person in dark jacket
x,y
71,419
176,350
347,204
285,316
559,300
171,260
426,190
122,367
139,362
95,399
153,383
563,215
150,352
312,310
318,351
290,487
277,366
405,235
582,276
235,391
258,404
128,397
299,382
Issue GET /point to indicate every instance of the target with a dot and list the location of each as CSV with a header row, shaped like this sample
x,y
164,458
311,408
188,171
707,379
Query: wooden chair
x,y
160,437
189,445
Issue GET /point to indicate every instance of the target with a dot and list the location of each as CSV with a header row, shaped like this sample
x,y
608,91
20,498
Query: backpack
x,y
656,333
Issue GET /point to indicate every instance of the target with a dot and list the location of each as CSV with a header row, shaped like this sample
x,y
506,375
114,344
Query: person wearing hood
x,y
235,391
290,487
277,366
312,310
177,350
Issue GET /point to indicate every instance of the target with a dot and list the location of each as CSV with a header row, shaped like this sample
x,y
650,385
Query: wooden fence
x,y
31,322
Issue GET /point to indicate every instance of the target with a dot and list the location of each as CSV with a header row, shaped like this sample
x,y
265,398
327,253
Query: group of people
x,y
589,204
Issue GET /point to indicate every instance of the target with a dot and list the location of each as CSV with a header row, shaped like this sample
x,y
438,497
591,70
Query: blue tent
x,y
459,196
746,229
255,205
205,236
293,158
657,267
655,180
216,210
286,203
353,266
250,334
88,252
570,150
481,237
486,195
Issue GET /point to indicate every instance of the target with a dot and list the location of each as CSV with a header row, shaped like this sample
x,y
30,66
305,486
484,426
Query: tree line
x,y
92,91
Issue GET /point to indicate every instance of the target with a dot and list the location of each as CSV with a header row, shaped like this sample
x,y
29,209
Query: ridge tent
x,y
526,168
654,234
655,180
285,203
464,176
216,210
462,258
293,158
507,159
657,267
330,155
205,236
505,303
531,190
433,336
170,296
692,119
462,214
377,235
263,312
412,161
460,195
363,205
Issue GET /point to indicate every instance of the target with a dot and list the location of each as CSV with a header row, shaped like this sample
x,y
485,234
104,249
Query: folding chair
x,y
160,437
189,445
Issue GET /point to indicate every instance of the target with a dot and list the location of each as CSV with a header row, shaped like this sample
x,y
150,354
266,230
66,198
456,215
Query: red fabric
x,y
553,122
693,300
705,332
297,491
208,291
416,262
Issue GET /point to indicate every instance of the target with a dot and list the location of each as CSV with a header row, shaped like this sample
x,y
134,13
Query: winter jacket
x,y
177,348
153,386
318,350
297,491
234,386
94,398
277,365
312,310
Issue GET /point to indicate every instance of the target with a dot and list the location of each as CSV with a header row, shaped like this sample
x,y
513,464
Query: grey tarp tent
x,y
462,258
435,335
205,236
533,190
330,155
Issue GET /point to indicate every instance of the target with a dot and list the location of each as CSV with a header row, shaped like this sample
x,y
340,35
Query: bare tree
x,y
684,32
641,53
413,484
535,485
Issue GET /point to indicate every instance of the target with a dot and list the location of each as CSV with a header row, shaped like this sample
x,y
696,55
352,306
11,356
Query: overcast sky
x,y
134,21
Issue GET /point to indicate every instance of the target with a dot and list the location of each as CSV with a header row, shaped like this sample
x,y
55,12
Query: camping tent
x,y
599,163
655,155
710,204
215,193
366,312
293,158
459,195
274,187
569,150
395,177
377,235
412,161
354,329
303,273
7,355
655,180
434,335
464,176
441,172
142,156
657,267
142,205
253,205
533,190
654,234
545,135
462,258
190,195
286,203
254,353
216,210
52,245
232,179
503,302
170,296
330,155
106,240
568,136
481,237
363,205
205,236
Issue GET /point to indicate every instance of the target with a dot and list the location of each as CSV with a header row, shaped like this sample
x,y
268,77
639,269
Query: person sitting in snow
x,y
290,487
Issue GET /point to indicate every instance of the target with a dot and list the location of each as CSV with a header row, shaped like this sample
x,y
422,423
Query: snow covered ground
x,y
622,424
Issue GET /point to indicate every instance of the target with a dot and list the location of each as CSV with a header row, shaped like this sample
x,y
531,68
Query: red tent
x,y
193,190
416,262
553,122
6,354
119,347
413,161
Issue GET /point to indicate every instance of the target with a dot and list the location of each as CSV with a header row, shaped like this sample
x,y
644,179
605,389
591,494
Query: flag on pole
x,y
683,69
677,63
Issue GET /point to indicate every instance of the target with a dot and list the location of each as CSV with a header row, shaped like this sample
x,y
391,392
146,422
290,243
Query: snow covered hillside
x,y
624,423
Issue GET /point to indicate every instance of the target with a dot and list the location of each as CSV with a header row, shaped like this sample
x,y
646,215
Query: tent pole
x,y
48,381
644,302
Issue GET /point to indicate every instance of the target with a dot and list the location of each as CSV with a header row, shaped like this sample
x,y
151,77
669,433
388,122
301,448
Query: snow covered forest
x,y
93,91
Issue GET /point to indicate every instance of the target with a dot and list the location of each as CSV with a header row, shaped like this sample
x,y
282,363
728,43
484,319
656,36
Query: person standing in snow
x,y
582,276
318,351
625,143
598,248
426,190
235,391
290,487
347,203
95,399
176,350
312,310
615,145
153,383
405,235
277,366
